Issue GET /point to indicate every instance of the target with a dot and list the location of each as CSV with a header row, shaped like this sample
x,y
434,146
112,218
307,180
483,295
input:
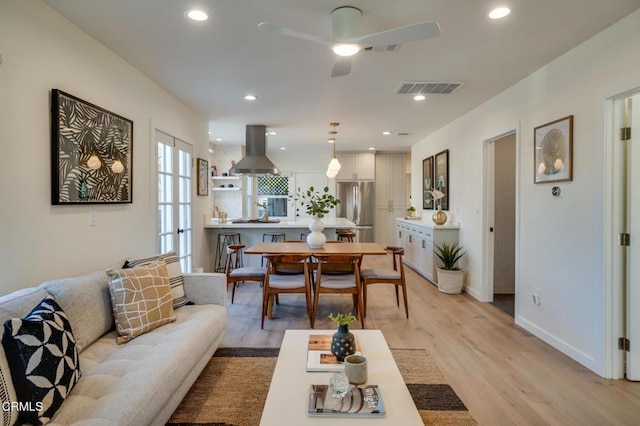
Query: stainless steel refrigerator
x,y
357,203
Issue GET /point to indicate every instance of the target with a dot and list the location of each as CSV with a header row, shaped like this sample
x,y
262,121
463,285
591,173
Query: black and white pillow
x,y
43,358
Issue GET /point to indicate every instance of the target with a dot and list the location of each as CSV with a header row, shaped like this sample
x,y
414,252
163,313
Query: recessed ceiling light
x,y
346,49
386,133
419,97
251,97
371,148
209,132
499,12
196,15
283,148
273,133
219,139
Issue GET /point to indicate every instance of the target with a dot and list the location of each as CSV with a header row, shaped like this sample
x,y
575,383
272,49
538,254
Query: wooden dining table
x,y
328,248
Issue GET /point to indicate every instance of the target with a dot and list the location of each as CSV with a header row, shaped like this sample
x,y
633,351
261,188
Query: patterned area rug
x,y
232,389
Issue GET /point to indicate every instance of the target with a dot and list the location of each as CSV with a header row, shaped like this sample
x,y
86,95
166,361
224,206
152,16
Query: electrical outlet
x,y
536,296
92,217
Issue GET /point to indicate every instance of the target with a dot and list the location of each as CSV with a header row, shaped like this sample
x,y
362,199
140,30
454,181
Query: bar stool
x,y
303,236
346,234
224,240
271,237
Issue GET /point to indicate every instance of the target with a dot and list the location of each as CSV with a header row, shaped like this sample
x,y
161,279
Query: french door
x,y
175,197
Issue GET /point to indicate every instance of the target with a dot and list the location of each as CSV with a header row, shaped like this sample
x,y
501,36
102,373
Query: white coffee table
x,y
287,399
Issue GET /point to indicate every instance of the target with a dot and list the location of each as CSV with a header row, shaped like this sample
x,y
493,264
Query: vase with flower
x,y
439,217
316,204
343,342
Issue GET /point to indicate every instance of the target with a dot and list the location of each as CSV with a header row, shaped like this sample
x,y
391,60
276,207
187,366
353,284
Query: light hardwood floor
x,y
503,374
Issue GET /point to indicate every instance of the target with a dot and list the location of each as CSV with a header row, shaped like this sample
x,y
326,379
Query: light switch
x,y
92,217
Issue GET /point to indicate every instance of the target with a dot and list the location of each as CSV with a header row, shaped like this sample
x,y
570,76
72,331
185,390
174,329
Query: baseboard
x,y
473,293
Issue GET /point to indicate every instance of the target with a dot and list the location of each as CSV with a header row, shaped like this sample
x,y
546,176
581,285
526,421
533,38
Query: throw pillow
x,y
173,269
43,358
7,392
141,299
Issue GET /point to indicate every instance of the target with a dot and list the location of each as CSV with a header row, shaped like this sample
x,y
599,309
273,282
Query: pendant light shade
x,y
334,164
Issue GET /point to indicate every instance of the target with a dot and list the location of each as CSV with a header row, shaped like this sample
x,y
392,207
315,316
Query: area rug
x,y
232,389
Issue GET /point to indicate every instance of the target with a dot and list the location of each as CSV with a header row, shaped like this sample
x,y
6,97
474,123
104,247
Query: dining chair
x,y
236,273
338,274
393,276
282,279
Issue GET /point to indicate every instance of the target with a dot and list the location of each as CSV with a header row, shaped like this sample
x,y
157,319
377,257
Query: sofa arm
x,y
203,288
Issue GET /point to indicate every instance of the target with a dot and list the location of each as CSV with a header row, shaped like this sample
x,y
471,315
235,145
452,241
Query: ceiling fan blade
x,y
270,26
341,66
414,32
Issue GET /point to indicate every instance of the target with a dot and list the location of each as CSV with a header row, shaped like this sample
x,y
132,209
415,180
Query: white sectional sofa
x,y
140,382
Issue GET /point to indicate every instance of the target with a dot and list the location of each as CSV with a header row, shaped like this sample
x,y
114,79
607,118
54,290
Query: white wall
x,y
560,245
38,241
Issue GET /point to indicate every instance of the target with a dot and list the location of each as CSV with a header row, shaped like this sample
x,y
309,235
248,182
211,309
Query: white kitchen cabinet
x,y
360,166
390,195
418,239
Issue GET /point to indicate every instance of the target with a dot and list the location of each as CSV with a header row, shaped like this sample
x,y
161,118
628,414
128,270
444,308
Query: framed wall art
x,y
553,151
427,183
441,177
203,177
91,153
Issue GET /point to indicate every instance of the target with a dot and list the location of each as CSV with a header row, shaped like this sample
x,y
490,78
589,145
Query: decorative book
x,y
359,402
320,358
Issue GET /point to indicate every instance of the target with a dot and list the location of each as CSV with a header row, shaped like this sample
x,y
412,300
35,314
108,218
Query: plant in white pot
x,y
316,204
450,276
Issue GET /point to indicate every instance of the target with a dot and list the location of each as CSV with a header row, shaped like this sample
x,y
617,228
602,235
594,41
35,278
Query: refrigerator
x,y
357,203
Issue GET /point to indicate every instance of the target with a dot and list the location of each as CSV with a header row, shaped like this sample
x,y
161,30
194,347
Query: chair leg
x,y
360,310
406,304
265,297
315,305
364,298
309,308
397,297
233,291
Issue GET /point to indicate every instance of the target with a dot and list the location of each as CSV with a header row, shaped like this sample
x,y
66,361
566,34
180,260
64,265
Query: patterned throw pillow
x,y
43,358
173,269
7,392
141,299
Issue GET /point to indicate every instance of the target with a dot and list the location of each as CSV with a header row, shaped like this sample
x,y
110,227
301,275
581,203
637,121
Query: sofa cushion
x,y
173,269
7,392
141,299
19,303
43,359
87,303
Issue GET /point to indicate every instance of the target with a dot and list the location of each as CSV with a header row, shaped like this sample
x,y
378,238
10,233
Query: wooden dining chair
x,y
236,274
393,276
338,274
282,278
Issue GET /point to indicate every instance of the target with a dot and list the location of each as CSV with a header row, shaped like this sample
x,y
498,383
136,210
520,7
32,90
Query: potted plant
x,y
450,276
316,204
343,342
411,211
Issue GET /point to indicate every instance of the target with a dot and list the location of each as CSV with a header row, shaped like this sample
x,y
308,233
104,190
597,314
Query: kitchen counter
x,y
329,223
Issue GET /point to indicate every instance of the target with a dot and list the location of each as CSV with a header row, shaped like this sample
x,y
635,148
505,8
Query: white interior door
x,y
175,198
633,229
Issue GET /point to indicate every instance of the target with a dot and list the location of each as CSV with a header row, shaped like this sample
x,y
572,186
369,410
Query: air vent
x,y
382,48
427,87
403,134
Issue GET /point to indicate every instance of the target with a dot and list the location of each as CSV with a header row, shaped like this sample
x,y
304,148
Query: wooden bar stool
x,y
346,235
224,240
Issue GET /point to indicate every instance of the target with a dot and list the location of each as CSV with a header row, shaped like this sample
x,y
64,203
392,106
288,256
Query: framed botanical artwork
x,y
441,177
553,151
427,183
91,153
203,177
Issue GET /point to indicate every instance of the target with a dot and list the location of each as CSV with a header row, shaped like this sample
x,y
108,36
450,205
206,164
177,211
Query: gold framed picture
x,y
203,177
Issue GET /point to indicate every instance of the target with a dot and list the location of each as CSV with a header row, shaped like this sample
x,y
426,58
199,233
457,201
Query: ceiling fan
x,y
346,40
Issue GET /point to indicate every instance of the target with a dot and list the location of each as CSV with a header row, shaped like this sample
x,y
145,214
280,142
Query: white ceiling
x,y
212,65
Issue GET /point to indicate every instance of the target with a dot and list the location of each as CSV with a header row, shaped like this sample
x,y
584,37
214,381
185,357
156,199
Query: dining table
x,y
327,248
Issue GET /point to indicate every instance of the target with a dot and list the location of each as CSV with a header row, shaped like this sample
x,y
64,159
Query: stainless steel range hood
x,y
255,161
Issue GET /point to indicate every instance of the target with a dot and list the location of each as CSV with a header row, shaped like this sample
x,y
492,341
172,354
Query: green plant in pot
x,y
411,211
316,204
343,342
450,276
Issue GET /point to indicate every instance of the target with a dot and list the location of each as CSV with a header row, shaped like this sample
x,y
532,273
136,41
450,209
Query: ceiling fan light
x,y
346,49
419,97
196,15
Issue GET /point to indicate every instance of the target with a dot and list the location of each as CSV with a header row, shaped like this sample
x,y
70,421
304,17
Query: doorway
x,y
625,220
500,214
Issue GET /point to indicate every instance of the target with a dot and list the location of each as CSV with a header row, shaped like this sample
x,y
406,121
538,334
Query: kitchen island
x,y
252,231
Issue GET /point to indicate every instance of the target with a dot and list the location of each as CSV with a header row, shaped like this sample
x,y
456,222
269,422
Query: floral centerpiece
x,y
316,204
343,342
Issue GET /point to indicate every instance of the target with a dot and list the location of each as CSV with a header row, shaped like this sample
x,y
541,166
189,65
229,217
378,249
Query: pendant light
x,y
334,164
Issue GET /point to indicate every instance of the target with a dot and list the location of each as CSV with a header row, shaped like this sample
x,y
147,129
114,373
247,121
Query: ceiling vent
x,y
427,87
382,48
